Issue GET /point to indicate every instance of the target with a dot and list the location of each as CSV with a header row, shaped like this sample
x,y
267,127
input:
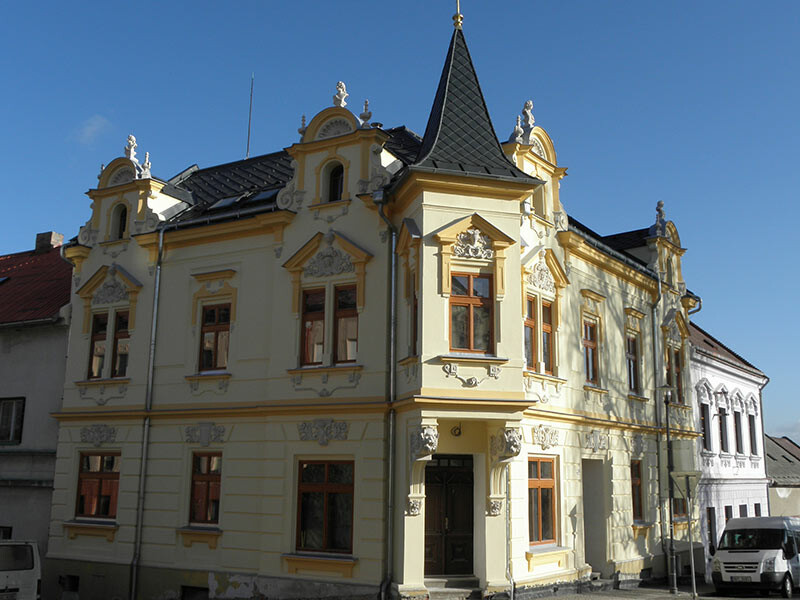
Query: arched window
x,y
335,183
119,222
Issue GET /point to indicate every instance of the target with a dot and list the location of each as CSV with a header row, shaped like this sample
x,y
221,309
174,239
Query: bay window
x,y
471,313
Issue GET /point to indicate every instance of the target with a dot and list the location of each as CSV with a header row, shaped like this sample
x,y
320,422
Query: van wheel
x,y
786,586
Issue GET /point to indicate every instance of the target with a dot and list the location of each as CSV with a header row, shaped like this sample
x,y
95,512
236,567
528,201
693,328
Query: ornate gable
x,y
545,273
109,285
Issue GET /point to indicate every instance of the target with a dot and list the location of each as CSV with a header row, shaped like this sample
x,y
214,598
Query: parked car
x,y
20,570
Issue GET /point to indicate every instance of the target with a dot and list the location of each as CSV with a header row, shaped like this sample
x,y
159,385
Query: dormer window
x,y
119,222
335,182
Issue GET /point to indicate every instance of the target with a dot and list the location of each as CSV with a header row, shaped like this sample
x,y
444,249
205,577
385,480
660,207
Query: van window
x,y
16,557
744,539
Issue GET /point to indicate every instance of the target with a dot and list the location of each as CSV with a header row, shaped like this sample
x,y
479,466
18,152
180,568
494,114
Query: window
x,y
590,352
5,532
530,332
215,337
335,183
737,428
11,413
711,521
679,507
743,510
346,324
97,350
313,332
206,474
414,321
325,506
119,362
632,359
757,509
751,421
532,340
674,373
723,430
541,500
728,513
704,426
119,222
547,337
636,489
471,313
98,485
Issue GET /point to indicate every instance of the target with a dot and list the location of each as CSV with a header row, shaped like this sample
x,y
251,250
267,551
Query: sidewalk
x,y
704,590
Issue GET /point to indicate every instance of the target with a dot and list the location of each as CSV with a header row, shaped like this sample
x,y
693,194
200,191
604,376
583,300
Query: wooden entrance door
x,y
448,515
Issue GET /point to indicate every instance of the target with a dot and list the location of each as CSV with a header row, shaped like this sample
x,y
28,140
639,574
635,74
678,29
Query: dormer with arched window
x,y
118,228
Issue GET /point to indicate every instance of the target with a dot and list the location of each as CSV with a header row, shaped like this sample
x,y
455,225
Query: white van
x,y
758,553
20,571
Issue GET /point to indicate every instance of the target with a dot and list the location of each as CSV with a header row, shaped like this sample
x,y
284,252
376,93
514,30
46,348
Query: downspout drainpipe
x,y
148,405
658,425
509,572
763,434
391,368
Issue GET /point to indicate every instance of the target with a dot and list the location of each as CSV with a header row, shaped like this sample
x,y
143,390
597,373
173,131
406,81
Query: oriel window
x,y
215,337
471,313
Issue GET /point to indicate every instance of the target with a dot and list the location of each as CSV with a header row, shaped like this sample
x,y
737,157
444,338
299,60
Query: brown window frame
x,y
119,334
547,333
540,483
339,313
471,301
325,488
632,363
529,323
97,335
637,507
679,509
590,351
207,480
306,316
216,328
101,477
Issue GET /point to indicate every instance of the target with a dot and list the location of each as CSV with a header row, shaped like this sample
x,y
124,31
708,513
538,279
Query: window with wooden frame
x,y
541,500
705,421
215,332
589,342
345,321
737,429
206,487
529,331
313,327
751,422
636,490
471,319
119,360
98,485
679,507
538,334
723,430
675,374
12,411
325,506
547,337
632,362
97,348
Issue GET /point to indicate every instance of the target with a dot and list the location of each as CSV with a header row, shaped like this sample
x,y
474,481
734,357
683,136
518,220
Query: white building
x,y
731,447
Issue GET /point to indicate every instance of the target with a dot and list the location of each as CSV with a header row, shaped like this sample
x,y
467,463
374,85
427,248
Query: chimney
x,y
48,240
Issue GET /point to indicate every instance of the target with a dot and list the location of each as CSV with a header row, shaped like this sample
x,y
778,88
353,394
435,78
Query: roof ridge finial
x,y
458,18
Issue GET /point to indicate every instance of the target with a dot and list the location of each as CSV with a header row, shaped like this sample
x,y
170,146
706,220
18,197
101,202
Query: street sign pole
x,y
691,541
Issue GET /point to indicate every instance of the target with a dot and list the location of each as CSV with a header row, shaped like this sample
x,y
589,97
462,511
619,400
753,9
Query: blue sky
x,y
692,103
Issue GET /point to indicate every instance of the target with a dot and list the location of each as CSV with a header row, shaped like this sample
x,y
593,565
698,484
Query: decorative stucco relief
x,y
101,394
323,431
507,443
451,370
595,441
98,434
353,379
423,441
546,437
473,244
204,433
111,291
329,261
334,127
540,276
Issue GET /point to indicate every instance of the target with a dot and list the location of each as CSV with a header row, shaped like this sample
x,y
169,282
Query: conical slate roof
x,y
459,137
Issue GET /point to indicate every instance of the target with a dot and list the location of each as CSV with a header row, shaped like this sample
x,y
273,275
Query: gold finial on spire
x,y
458,18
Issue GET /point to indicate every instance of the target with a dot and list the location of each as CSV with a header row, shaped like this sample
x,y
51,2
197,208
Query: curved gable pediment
x,y
331,122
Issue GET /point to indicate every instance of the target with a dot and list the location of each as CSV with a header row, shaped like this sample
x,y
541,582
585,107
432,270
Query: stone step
x,y
453,588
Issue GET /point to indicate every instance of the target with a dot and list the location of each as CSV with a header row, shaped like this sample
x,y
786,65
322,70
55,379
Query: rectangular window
x,y
711,521
415,321
325,506
313,332
674,374
530,332
704,426
636,489
11,413
206,485
679,507
757,509
97,350
98,485
119,362
632,358
547,337
737,428
728,513
751,421
541,500
723,430
743,510
215,337
590,352
346,324
471,313
5,532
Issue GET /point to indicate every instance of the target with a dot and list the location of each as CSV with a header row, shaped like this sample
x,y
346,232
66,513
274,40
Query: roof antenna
x,y
250,115
458,18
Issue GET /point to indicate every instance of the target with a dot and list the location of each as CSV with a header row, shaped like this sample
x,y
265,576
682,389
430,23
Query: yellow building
x,y
371,363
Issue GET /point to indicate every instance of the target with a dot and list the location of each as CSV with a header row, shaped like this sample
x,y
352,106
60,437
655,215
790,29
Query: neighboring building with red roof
x,y
34,317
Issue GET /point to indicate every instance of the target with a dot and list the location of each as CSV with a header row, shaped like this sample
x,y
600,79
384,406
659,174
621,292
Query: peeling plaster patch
x,y
222,585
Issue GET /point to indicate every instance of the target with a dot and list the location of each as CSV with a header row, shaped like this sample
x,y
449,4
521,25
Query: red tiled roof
x,y
33,286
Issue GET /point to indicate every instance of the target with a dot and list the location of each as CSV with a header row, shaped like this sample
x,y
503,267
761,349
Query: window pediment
x,y
109,285
546,273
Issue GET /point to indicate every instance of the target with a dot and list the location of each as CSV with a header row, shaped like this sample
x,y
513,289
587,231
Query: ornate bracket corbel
x,y
504,446
422,443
